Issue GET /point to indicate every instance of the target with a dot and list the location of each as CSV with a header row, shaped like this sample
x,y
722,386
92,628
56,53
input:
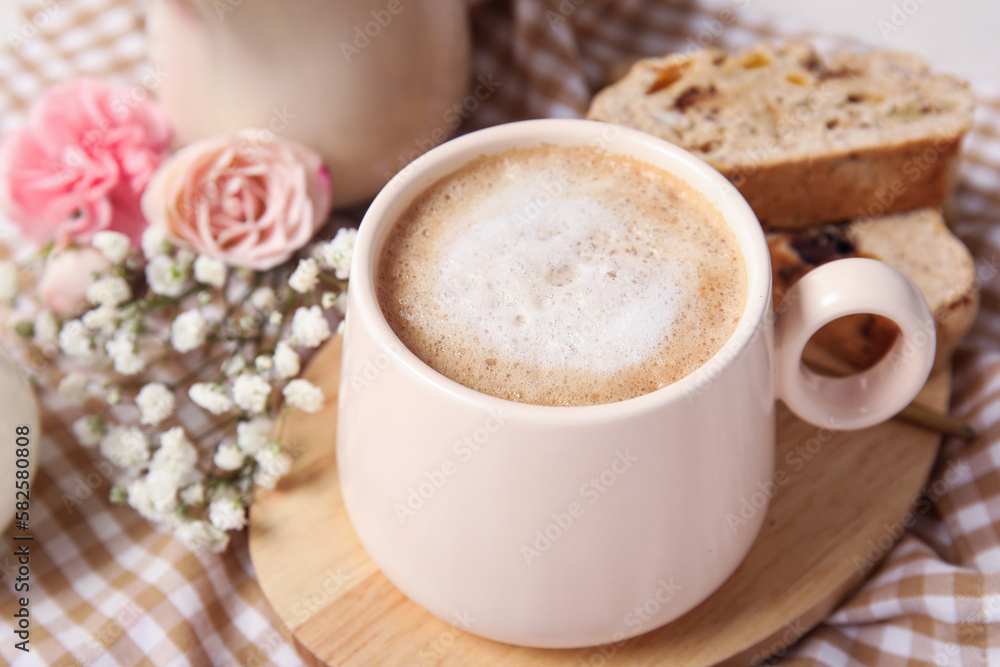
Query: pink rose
x,y
80,164
68,274
246,200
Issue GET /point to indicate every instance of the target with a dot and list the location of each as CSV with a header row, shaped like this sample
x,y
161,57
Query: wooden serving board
x,y
823,535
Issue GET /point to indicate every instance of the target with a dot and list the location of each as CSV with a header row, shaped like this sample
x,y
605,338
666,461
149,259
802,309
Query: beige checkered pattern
x,y
108,589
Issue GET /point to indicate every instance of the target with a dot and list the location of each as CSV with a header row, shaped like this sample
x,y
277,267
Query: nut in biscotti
x,y
807,139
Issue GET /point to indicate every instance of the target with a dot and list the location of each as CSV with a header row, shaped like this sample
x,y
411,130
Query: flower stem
x,y
333,281
218,426
174,386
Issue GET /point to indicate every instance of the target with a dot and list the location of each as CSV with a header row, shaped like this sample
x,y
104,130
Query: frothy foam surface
x,y
561,290
561,276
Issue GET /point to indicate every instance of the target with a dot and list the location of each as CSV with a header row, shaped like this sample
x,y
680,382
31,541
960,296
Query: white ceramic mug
x,y
574,526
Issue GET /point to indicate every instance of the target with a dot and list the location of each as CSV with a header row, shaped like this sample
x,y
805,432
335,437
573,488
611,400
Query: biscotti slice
x,y
806,139
919,244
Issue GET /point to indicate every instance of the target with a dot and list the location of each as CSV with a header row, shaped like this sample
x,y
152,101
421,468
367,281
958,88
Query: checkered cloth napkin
x,y
108,589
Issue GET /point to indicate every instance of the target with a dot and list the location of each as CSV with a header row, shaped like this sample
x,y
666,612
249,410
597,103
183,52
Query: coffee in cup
x,y
562,275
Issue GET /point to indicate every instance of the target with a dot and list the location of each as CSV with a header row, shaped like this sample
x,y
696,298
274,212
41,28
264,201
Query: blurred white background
x,y
960,36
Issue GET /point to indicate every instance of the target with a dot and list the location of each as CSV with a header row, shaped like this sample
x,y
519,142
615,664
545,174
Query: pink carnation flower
x,y
81,163
246,199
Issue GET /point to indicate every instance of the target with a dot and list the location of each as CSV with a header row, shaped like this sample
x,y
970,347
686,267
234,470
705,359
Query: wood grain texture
x,y
838,501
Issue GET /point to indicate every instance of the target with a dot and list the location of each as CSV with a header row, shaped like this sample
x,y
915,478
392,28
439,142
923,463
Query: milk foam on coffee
x,y
561,276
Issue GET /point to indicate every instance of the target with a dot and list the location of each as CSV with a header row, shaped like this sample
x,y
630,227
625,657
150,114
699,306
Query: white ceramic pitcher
x,y
370,84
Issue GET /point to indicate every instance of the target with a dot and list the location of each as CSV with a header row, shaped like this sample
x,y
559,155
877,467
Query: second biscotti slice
x,y
917,243
806,139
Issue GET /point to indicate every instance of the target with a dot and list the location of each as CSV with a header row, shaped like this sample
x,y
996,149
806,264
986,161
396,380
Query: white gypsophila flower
x,y
154,243
254,434
210,271
202,536
88,430
184,258
8,280
263,299
122,350
47,327
118,495
336,254
166,276
155,402
109,291
138,498
113,245
229,457
263,363
162,486
174,444
73,388
74,340
275,319
304,395
170,467
272,464
125,446
113,396
309,326
328,300
227,511
286,361
188,331
305,276
251,392
193,494
103,319
120,485
341,326
210,396
234,365
245,485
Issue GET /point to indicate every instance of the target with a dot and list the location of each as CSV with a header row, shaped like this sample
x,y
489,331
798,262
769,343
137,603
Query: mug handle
x,y
845,287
